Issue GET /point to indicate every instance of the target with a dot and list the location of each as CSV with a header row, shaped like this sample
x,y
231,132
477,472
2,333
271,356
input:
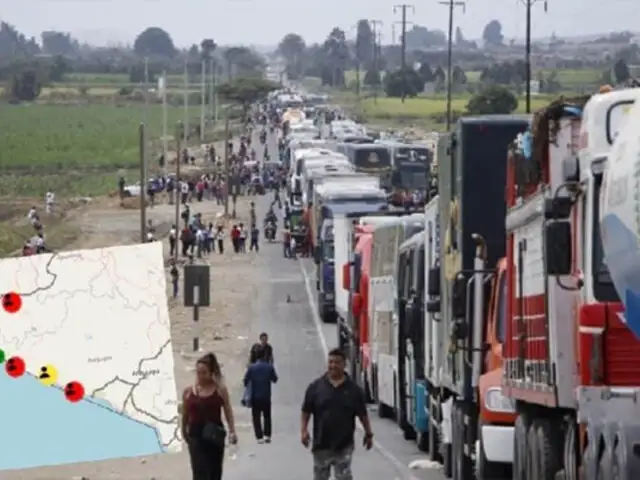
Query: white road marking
x,y
325,348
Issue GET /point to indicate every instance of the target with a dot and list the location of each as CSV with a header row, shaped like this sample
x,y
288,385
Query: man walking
x,y
334,401
264,346
259,377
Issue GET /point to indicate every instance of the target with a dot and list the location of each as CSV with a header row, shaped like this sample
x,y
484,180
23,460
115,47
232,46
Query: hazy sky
x,y
266,22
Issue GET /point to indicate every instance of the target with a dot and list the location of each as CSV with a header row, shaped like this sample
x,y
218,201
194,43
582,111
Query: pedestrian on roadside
x,y
258,378
173,237
334,401
202,426
220,238
175,278
261,345
242,238
255,236
235,238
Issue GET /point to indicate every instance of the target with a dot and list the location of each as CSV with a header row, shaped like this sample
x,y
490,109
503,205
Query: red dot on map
x,y
15,367
74,391
11,302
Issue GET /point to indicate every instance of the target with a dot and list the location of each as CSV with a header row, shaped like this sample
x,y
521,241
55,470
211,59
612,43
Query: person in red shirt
x,y
235,238
200,190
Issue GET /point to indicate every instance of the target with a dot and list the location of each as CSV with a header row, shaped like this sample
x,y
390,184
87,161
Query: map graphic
x,y
100,318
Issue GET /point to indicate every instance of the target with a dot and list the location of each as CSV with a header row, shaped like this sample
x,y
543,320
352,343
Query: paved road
x,y
271,144
300,343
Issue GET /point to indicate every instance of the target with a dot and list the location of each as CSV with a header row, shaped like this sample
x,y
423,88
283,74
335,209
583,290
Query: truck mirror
x,y
433,306
346,276
557,243
357,303
317,255
459,296
460,330
434,282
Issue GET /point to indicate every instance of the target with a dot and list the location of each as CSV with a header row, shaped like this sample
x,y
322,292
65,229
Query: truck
x,y
415,257
370,158
571,355
411,168
471,421
316,170
333,199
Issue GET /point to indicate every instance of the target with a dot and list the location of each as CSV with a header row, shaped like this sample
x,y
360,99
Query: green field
x,y
426,107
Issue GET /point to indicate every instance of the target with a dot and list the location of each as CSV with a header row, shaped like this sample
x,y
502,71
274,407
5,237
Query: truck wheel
x,y
434,434
605,467
384,411
457,449
519,467
533,453
547,454
570,454
408,432
485,469
447,466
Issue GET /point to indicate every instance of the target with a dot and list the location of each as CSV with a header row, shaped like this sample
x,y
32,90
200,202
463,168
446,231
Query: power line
x,y
403,41
451,4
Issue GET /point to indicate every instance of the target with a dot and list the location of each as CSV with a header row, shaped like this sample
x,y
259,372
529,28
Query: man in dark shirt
x,y
334,400
263,345
259,376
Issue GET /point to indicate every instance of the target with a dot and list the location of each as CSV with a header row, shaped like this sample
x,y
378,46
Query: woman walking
x,y
202,426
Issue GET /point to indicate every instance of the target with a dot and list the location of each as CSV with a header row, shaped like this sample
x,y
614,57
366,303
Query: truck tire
x,y
462,467
547,450
384,411
570,452
533,452
434,433
422,440
483,468
519,467
447,466
605,466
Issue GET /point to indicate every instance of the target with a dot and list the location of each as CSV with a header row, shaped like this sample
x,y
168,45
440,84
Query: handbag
x,y
246,396
212,432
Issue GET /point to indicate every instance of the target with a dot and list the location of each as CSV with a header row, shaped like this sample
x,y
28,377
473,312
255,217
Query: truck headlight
x,y
495,401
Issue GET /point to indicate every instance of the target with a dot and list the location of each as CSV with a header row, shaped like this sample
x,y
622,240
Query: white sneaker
x,y
267,439
261,440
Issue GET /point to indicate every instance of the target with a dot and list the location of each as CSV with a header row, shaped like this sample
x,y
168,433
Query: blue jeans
x,y
175,288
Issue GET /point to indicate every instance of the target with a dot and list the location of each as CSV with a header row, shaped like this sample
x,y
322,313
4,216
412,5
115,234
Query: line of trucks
x,y
499,325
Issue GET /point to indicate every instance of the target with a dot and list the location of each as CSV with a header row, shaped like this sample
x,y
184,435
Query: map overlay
x,y
97,318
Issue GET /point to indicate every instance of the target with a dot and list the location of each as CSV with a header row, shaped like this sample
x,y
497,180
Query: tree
x,y
492,33
154,41
425,72
292,48
621,71
336,56
401,81
243,61
372,77
492,99
420,38
246,90
207,47
137,74
58,69
459,36
364,43
58,43
458,77
25,86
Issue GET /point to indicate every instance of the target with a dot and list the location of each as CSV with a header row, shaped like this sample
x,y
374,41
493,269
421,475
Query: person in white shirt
x,y
292,247
201,236
184,191
49,200
243,238
173,237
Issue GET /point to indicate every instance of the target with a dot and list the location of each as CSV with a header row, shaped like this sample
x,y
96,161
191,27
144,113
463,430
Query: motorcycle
x,y
270,232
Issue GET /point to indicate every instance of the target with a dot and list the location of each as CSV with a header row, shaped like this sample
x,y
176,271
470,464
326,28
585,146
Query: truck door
x,y
415,340
405,347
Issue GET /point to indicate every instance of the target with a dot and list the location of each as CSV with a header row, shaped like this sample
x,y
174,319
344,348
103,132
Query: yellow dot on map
x,y
48,375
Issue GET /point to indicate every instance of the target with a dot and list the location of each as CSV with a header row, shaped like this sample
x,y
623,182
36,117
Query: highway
x,y
300,343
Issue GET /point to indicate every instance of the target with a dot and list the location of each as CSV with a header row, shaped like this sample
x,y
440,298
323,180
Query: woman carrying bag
x,y
202,426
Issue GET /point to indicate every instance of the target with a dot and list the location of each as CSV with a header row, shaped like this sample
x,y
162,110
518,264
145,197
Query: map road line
x,y
325,348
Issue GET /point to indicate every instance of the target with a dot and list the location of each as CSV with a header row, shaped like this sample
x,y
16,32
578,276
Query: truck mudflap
x,y
613,452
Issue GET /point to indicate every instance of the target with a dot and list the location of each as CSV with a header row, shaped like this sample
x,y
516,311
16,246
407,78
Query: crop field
x,y
424,107
57,137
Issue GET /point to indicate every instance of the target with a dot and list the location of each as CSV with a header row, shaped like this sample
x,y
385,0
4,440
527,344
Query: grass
x,y
421,107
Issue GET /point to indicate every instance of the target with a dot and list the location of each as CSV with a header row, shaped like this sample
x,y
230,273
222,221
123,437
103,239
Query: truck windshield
x,y
414,178
603,288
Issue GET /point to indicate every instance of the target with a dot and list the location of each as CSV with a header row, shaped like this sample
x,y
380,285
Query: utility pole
x,y
203,95
185,120
211,86
176,188
451,4
375,26
527,56
403,40
146,113
226,164
143,185
165,140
